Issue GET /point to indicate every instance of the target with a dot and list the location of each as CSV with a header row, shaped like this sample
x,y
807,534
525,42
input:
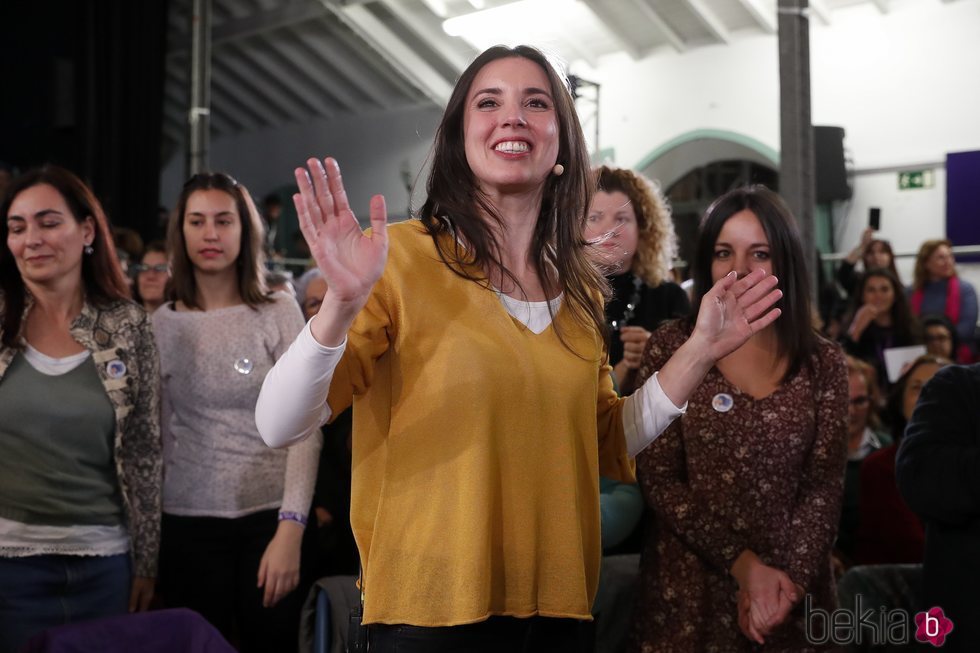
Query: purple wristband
x,y
292,516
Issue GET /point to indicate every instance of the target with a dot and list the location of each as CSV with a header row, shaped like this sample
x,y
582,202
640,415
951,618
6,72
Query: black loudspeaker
x,y
831,174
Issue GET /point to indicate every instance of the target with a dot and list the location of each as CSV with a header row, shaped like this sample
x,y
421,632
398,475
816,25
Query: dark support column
x,y
796,174
199,111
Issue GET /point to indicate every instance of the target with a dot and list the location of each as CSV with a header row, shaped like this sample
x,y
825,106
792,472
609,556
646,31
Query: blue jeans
x,y
40,592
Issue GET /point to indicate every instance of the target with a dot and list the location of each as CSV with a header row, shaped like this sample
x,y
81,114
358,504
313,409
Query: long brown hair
x,y
455,205
102,276
795,336
250,266
904,325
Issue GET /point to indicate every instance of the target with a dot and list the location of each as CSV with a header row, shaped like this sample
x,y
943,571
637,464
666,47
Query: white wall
x,y
904,85
372,149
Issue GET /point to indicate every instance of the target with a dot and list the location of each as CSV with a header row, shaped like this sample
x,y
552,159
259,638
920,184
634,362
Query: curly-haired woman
x,y
629,224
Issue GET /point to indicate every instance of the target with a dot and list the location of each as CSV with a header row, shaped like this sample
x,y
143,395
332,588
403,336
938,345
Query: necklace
x,y
631,305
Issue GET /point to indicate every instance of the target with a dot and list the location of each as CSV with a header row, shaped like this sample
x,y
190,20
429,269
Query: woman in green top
x,y
80,466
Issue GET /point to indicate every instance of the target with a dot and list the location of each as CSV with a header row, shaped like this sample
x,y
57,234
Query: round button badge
x,y
115,369
722,402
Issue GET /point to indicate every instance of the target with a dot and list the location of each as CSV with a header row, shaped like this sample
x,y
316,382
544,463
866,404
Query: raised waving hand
x,y
731,312
350,260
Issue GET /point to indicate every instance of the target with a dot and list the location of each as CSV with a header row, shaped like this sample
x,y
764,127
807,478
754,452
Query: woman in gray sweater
x,y
234,510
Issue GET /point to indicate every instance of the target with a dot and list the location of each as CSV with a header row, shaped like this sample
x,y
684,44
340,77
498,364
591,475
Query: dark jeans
x,y
495,635
40,592
211,565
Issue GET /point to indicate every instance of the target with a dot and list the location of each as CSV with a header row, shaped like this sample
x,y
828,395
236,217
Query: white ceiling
x,y
277,62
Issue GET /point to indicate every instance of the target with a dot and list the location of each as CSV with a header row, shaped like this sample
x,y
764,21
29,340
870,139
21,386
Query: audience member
x,y
152,274
314,287
937,475
472,350
746,487
281,281
271,216
940,336
879,319
630,227
937,289
335,548
234,511
129,246
874,254
888,532
864,437
80,464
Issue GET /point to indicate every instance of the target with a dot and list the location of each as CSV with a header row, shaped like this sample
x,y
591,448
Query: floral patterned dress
x,y
738,473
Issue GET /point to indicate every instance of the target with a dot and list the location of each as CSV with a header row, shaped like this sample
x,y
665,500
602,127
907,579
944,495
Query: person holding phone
x,y
872,252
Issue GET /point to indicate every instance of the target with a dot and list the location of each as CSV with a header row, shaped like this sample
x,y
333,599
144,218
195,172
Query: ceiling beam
x,y
284,80
266,91
438,7
708,19
224,106
337,60
310,78
171,124
432,35
571,47
820,8
661,25
763,12
393,50
600,9
261,22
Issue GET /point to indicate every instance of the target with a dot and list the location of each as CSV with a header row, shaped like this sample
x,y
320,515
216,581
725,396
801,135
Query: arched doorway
x,y
696,167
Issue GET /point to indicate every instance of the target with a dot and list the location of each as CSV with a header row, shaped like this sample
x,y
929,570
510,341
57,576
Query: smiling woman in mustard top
x,y
471,344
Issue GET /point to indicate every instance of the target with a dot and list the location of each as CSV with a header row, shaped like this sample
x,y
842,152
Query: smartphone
x,y
874,218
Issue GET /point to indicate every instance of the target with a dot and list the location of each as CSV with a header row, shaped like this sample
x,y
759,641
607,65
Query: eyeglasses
x,y
860,402
938,337
159,267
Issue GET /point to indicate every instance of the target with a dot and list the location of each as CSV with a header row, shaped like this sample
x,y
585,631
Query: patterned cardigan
x,y
121,332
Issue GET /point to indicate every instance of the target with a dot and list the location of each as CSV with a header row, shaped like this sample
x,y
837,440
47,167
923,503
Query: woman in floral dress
x,y
746,487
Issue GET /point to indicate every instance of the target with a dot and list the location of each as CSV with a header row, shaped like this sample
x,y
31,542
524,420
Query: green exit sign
x,y
916,179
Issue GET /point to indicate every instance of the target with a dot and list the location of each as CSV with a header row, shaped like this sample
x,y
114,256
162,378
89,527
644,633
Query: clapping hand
x,y
734,310
350,260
